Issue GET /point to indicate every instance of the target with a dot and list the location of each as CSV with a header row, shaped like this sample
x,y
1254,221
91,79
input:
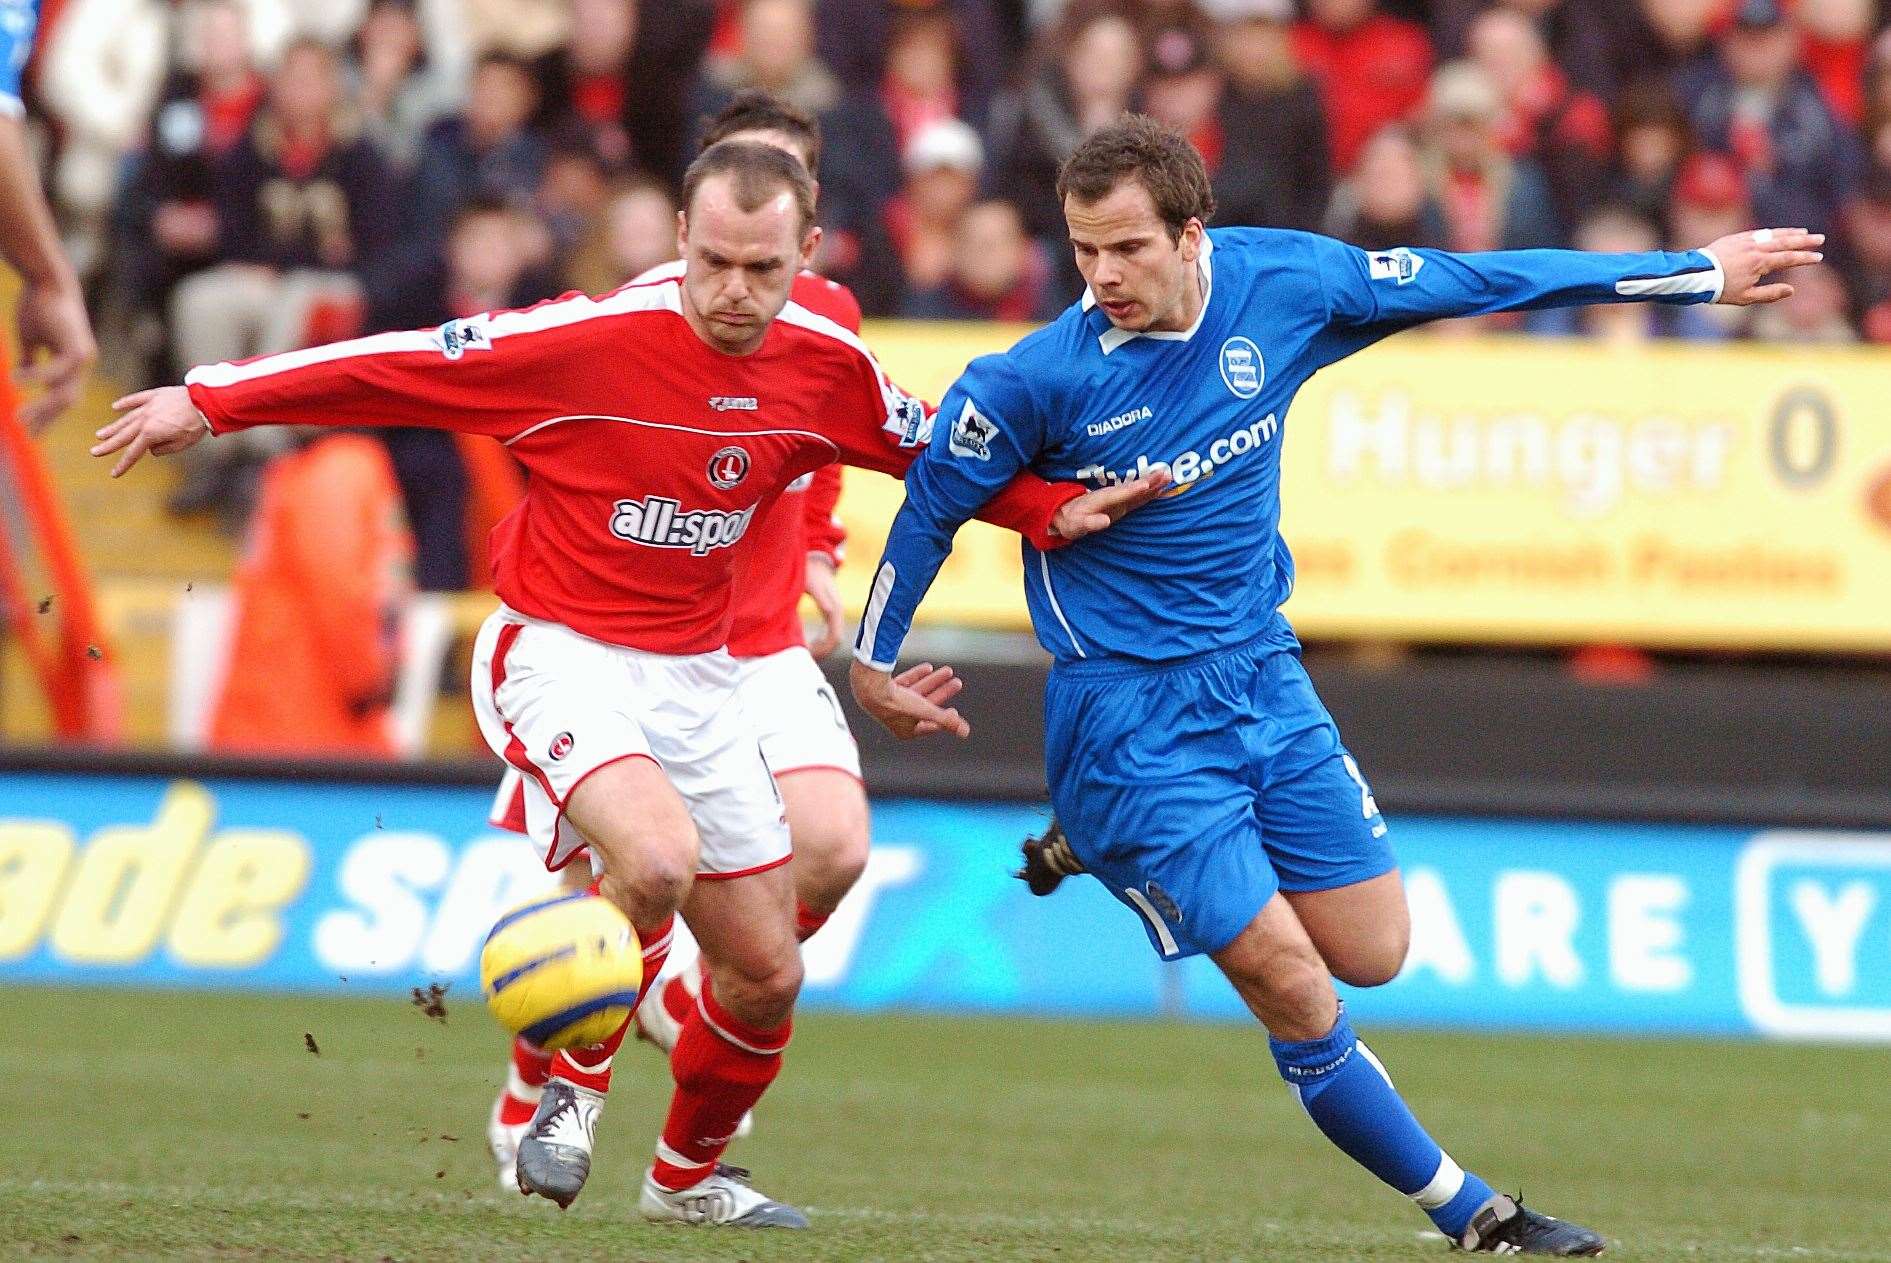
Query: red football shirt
x,y
651,453
771,560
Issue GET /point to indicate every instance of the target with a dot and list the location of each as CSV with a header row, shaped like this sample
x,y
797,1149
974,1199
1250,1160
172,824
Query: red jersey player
x,y
798,719
657,424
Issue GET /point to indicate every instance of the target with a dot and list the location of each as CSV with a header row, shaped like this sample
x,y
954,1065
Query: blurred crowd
x,y
245,176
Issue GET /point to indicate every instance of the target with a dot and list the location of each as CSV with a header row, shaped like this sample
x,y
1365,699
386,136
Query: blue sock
x,y
1348,1095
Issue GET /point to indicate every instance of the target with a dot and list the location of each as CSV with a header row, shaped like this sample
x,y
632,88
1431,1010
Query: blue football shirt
x,y
1204,567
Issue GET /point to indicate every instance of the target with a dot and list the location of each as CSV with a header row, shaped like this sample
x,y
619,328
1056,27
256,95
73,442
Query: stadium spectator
x,y
1878,76
666,65
524,29
860,167
585,84
1275,173
997,273
1387,201
1372,69
1490,200
486,150
319,592
1086,78
165,225
104,67
861,39
1868,230
1678,39
304,208
489,264
943,164
776,56
570,198
1709,196
1563,129
1815,313
1594,42
1651,139
395,86
921,83
1757,103
1835,40
636,232
1183,88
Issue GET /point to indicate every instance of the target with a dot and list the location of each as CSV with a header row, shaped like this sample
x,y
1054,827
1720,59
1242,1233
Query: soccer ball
x,y
562,970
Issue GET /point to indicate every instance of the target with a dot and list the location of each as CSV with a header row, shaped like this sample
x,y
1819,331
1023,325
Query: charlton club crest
x,y
728,467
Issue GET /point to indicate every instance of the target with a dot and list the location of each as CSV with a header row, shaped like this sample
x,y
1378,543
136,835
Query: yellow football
x,y
562,970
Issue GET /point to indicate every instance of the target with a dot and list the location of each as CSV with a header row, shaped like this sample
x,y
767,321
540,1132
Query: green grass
x,y
138,1125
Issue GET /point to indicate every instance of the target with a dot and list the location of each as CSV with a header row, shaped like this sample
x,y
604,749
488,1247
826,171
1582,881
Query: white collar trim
x,y
1112,337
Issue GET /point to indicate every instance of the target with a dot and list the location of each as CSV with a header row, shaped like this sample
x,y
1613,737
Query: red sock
x,y
531,1066
722,1067
591,1067
677,998
807,921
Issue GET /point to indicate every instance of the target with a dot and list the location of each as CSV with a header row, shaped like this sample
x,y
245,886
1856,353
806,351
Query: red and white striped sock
x,y
591,1067
525,1078
807,921
722,1066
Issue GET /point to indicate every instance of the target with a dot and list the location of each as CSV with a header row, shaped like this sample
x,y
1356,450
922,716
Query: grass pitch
x,y
149,1124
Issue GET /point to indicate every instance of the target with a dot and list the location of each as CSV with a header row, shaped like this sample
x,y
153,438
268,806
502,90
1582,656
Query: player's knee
x,y
831,841
1374,959
651,880
828,863
760,993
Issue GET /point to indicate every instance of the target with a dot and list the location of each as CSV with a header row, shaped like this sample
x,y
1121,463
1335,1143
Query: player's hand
x,y
912,703
56,349
1100,510
158,421
824,591
1747,259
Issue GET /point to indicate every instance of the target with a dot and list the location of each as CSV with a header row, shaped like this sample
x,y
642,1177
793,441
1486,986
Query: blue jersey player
x,y
56,346
1193,768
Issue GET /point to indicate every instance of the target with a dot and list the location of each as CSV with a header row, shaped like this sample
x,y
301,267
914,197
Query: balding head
x,y
746,229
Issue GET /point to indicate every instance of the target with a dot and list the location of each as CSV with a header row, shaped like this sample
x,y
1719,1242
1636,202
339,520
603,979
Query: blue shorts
x,y
1197,790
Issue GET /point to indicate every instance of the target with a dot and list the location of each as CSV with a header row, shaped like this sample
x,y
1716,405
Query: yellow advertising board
x,y
1531,491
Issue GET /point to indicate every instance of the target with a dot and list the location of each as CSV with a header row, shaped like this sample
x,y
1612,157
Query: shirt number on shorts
x,y
833,703
1368,808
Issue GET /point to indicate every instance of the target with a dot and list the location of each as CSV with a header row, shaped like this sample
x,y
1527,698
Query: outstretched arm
x,y
492,375
1394,289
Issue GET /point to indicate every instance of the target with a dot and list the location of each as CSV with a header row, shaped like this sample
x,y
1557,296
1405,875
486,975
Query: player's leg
x,y
1361,930
828,820
805,740
553,705
645,844
1345,1089
728,1052
1341,912
528,1067
741,911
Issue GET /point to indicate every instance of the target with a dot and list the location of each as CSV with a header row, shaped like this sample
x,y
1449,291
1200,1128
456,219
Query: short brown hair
x,y
1157,157
753,110
757,172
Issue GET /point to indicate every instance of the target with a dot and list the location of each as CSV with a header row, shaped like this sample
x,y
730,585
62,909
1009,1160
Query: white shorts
x,y
557,706
796,715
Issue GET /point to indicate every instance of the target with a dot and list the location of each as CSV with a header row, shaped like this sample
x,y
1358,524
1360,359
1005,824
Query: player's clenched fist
x,y
1748,258
912,703
158,421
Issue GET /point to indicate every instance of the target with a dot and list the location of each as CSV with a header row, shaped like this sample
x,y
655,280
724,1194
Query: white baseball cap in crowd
x,y
944,143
